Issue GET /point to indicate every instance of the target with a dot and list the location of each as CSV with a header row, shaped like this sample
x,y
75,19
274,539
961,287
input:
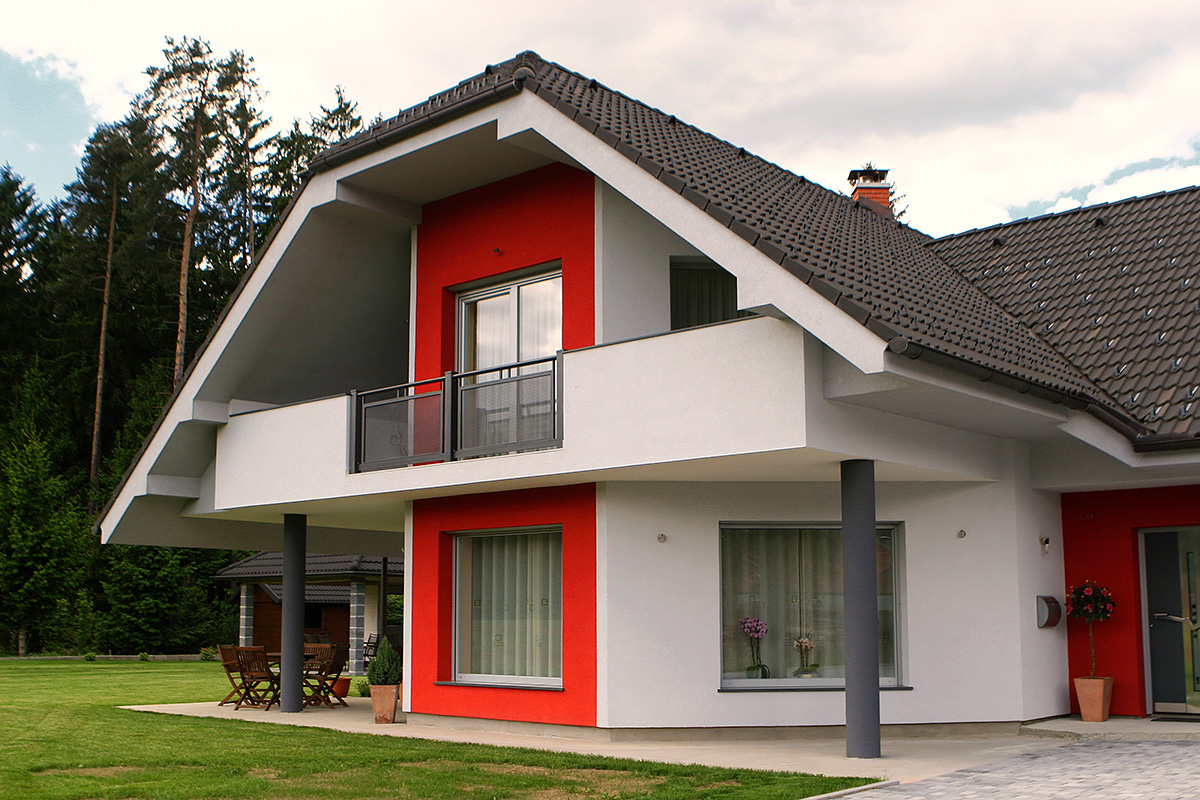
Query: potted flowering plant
x,y
805,646
1091,603
755,629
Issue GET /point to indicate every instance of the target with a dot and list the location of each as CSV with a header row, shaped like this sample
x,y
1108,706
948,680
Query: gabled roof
x,y
316,565
1113,287
874,269
322,595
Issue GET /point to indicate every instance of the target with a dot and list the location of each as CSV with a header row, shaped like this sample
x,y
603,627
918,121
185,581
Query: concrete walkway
x,y
903,759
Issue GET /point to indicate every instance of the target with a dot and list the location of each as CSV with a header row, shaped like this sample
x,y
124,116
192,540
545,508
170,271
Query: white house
x,y
612,385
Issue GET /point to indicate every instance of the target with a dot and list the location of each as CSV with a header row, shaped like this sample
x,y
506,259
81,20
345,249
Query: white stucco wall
x,y
633,259
970,647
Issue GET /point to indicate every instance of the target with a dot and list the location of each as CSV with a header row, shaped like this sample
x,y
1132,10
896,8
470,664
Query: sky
x,y
983,112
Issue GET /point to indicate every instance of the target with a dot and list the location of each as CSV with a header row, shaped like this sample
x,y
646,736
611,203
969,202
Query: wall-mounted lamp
x,y
1044,541
662,537
962,534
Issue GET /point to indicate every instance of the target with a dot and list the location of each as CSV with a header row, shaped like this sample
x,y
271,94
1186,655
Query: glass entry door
x,y
1173,600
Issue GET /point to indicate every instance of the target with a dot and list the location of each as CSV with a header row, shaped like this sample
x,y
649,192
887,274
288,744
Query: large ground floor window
x,y
509,607
782,619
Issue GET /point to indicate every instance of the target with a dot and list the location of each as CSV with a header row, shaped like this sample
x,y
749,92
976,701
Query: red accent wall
x,y
432,617
537,217
1100,543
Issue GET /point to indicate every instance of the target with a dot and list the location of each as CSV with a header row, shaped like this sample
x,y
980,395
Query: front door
x,y
1173,603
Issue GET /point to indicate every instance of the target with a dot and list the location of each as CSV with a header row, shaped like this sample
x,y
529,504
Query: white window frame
x,y
528,681
898,612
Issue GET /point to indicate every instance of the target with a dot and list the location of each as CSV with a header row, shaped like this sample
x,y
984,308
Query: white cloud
x,y
975,107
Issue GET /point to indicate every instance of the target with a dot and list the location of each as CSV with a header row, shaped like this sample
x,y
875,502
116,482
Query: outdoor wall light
x,y
962,534
662,537
1044,541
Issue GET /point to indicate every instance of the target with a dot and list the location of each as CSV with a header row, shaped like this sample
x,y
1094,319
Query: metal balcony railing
x,y
507,409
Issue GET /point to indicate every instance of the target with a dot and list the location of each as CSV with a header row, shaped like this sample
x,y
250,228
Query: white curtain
x,y
510,604
791,579
489,339
540,313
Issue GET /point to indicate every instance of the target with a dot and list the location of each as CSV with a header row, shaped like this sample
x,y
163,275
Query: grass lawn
x,y
62,736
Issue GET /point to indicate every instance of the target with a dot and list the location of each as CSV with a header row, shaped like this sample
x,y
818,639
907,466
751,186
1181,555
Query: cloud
x,y
976,108
43,116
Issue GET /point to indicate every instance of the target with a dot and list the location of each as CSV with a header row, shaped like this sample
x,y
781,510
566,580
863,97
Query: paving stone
x,y
1161,770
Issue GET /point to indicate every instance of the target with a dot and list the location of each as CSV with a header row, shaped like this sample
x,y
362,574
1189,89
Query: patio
x,y
908,755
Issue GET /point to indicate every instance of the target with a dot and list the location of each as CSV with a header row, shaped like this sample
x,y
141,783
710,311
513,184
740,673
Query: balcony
x,y
507,409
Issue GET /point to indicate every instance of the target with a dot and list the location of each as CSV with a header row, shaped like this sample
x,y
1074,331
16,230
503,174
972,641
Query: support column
x,y
246,616
291,640
383,593
358,613
861,599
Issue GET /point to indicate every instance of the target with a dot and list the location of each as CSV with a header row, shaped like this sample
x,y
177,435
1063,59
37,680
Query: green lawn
x,y
63,736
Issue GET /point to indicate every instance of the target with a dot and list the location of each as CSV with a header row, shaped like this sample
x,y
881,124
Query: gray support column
x,y
861,599
383,592
358,613
291,640
246,616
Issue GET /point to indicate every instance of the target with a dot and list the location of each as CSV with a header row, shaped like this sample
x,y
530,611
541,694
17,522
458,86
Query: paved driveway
x,y
1091,770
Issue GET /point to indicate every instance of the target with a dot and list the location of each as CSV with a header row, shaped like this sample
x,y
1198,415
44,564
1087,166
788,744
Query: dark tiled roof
x,y
875,269
325,595
1114,287
270,565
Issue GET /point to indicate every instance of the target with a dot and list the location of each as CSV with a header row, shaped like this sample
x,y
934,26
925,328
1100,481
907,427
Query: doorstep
x,y
1117,729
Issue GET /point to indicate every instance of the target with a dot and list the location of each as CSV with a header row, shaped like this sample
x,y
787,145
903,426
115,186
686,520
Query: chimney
x,y
870,184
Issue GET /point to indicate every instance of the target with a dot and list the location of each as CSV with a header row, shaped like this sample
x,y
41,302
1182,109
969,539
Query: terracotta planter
x,y
341,687
383,702
1094,695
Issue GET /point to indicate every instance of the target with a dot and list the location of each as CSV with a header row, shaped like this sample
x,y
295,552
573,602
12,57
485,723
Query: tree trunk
x,y
94,470
21,641
185,261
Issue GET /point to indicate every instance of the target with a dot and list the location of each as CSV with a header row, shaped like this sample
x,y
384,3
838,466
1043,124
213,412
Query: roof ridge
x,y
1067,212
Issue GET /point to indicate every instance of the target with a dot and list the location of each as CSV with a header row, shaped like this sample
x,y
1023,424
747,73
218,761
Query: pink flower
x,y
1087,590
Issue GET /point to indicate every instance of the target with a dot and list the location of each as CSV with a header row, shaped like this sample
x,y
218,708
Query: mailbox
x,y
1048,610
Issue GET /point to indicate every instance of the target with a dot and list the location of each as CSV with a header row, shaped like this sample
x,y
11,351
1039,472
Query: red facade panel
x,y
432,619
539,217
1100,543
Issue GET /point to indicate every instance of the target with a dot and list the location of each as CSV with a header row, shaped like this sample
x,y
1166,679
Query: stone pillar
x,y
861,599
246,616
358,609
291,640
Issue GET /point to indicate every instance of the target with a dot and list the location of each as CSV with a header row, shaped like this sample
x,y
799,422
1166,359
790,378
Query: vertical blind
x,y
510,604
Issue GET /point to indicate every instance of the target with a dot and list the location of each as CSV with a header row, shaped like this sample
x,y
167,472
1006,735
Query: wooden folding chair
x,y
260,684
316,664
333,671
230,662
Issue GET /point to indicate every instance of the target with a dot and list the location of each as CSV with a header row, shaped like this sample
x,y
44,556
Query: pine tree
x,y
22,224
289,153
40,524
190,101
